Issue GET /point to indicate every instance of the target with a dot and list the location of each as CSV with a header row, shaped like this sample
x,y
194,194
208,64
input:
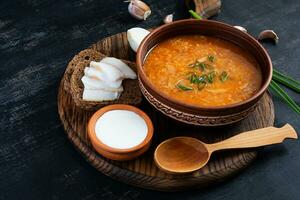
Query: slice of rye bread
x,y
131,94
87,55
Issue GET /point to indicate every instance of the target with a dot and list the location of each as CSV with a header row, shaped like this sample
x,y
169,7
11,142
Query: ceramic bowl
x,y
196,115
114,153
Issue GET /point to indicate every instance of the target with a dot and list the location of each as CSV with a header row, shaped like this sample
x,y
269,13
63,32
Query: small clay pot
x,y
114,153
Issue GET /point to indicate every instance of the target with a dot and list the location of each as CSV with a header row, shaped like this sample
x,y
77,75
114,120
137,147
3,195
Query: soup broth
x,y
203,70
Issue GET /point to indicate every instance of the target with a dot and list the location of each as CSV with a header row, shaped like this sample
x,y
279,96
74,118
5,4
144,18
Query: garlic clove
x,y
241,28
168,18
268,34
139,9
135,37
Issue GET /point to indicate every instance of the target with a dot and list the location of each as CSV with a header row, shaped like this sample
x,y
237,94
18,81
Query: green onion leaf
x,y
193,78
211,76
224,76
194,14
202,66
211,58
198,79
183,87
286,80
284,96
203,78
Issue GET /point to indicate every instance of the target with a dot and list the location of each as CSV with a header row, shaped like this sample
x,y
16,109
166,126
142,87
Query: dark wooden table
x,y
39,37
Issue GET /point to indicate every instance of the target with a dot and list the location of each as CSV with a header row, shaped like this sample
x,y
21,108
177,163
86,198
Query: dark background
x,y
39,37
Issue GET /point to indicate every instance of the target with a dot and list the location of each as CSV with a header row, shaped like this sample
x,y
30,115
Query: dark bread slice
x,y
87,55
131,94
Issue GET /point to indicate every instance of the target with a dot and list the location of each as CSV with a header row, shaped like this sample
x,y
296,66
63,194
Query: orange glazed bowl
x,y
191,113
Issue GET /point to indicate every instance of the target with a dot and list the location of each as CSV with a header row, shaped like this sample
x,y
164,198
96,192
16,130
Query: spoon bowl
x,y
181,155
187,154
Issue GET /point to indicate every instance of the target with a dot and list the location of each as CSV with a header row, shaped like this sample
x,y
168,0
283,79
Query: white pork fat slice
x,y
94,84
107,72
99,95
123,67
95,73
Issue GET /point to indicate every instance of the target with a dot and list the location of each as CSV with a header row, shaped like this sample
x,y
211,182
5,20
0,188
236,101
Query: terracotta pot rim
x,y
147,83
95,141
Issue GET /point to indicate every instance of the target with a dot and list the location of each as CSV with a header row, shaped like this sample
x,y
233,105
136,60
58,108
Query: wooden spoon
x,y
187,154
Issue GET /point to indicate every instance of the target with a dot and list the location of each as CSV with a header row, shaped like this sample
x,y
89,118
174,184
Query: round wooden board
x,y
142,172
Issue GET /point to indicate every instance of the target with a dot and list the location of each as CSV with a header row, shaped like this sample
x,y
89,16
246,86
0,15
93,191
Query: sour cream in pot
x,y
121,129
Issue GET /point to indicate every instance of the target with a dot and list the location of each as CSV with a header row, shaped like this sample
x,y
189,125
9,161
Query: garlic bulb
x,y
139,9
135,37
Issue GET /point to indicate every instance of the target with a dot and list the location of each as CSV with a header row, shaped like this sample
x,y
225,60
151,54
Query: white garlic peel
x,y
139,9
102,80
135,36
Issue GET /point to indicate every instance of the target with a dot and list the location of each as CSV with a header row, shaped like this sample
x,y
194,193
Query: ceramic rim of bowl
x,y
100,112
146,82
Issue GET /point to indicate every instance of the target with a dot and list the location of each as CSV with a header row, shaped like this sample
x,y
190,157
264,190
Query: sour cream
x,y
121,129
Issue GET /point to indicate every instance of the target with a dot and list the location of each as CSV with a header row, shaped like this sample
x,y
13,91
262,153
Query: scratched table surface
x,y
39,37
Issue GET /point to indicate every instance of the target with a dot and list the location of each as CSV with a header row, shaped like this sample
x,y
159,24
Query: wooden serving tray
x,y
142,172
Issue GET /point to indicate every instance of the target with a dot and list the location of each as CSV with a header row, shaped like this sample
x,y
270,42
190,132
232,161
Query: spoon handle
x,y
256,138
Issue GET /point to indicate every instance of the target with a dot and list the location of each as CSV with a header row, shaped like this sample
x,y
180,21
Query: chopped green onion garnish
x,y
183,87
211,76
198,79
202,66
193,78
224,76
202,78
211,58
